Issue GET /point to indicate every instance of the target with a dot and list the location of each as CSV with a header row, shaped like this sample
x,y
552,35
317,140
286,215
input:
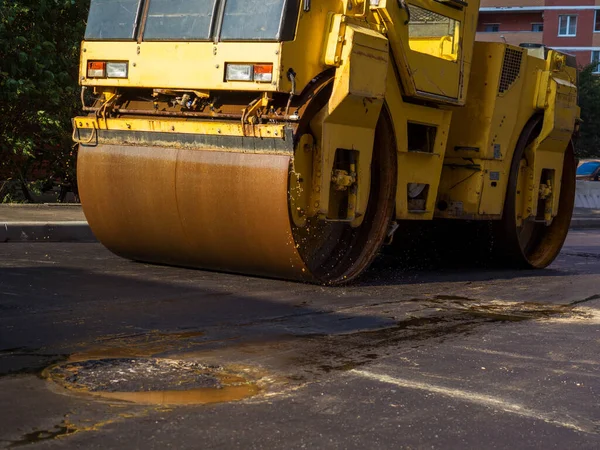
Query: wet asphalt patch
x,y
152,381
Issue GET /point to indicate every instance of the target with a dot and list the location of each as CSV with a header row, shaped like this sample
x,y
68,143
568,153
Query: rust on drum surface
x,y
207,209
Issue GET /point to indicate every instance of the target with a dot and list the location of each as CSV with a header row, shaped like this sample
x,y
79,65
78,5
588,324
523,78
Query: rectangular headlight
x,y
116,69
239,72
96,69
263,73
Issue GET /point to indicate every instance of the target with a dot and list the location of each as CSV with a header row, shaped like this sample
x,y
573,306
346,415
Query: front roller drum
x,y
226,211
210,209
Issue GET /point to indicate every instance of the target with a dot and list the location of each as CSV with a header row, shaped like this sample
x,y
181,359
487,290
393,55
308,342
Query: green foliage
x,y
588,144
39,92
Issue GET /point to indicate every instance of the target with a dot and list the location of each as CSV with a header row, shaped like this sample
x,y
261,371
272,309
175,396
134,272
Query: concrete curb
x,y
578,223
79,231
67,231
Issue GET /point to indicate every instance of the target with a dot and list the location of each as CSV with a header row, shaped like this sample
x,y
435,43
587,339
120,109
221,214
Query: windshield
x,y
112,19
252,20
189,20
179,19
587,168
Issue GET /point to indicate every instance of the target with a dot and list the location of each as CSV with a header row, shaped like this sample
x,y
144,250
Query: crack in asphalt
x,y
587,299
583,254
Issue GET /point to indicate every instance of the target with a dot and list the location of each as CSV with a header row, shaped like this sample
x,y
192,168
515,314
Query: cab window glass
x,y
112,20
433,34
179,20
249,20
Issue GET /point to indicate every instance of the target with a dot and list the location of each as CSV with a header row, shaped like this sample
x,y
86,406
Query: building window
x,y
596,60
537,27
491,27
597,22
567,25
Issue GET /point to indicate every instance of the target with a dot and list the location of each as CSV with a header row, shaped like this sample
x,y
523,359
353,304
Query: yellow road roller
x,y
296,138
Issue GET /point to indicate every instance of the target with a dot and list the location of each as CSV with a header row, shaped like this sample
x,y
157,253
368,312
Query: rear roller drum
x,y
532,243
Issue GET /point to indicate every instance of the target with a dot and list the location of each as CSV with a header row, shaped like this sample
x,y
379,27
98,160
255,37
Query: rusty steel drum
x,y
218,210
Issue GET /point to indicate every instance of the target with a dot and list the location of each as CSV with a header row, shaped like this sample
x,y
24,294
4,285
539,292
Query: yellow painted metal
x,y
416,167
301,184
181,65
430,68
349,119
177,125
304,55
332,54
484,133
557,97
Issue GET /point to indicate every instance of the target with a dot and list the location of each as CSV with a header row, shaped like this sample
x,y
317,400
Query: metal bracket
x,y
335,41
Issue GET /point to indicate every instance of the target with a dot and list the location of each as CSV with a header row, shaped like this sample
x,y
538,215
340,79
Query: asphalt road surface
x,y
100,352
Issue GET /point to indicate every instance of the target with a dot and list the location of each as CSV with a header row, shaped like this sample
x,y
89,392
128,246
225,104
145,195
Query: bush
x,y
39,93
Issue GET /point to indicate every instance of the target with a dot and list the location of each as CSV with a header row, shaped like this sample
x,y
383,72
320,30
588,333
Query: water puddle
x,y
154,381
191,397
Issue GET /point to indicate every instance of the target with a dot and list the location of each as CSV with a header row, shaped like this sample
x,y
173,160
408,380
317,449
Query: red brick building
x,y
572,26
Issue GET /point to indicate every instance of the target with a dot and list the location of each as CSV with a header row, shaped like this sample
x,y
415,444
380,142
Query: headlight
x,y
261,73
104,69
239,72
116,70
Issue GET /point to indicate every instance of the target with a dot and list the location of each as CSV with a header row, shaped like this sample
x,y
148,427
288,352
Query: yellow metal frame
x,y
416,167
181,65
349,119
172,125
484,134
